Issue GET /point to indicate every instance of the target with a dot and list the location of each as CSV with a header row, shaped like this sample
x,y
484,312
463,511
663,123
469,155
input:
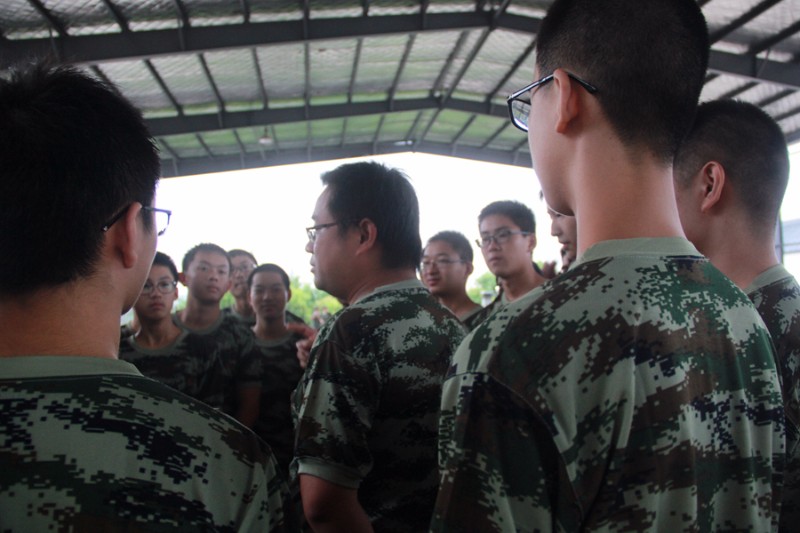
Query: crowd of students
x,y
651,385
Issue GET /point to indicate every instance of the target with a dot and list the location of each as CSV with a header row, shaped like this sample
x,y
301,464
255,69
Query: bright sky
x,y
265,211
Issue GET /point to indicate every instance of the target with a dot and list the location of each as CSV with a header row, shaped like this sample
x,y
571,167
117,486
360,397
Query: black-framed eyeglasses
x,y
519,103
501,237
312,231
164,287
162,218
427,264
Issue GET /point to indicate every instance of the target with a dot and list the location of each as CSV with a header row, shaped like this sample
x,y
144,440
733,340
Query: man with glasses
x,y
86,441
242,264
507,240
366,408
637,391
446,266
229,386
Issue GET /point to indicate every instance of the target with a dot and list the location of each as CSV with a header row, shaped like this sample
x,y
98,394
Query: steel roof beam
x,y
354,71
51,19
220,163
743,19
262,117
260,77
122,22
163,86
401,67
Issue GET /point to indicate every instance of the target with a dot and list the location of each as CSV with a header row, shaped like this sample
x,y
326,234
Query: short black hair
x,y
73,154
236,252
519,213
647,58
751,148
386,197
269,267
458,241
165,260
203,247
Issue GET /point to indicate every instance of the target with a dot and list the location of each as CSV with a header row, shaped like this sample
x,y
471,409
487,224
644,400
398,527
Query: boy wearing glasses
x,y
638,391
87,443
446,266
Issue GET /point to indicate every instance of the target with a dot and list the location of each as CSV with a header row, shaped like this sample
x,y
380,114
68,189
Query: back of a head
x,y
457,241
163,259
209,247
751,148
519,213
648,59
386,197
73,153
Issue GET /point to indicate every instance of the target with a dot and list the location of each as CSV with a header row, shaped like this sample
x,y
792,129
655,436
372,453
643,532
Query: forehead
x,y
495,222
267,278
321,208
212,258
160,271
439,248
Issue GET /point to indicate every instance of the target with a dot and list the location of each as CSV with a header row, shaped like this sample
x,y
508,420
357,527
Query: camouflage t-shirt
x,y
250,321
637,392
367,407
89,444
776,296
276,362
183,365
229,344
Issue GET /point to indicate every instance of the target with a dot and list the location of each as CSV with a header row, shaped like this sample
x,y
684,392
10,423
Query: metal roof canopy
x,y
229,85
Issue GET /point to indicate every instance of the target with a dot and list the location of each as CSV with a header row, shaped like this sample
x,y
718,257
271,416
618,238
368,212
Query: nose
x,y
493,244
309,246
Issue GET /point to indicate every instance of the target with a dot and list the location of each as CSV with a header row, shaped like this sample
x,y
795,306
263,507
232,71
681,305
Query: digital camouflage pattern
x,y
636,392
776,295
250,321
368,404
89,444
184,365
277,365
228,344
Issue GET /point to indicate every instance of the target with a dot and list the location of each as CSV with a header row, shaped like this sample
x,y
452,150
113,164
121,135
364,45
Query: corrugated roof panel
x,y
146,15
394,7
764,25
759,93
283,70
791,125
185,79
19,20
331,65
362,129
136,83
492,62
185,146
327,132
479,131
784,106
447,126
510,136
450,6
397,125
211,13
529,8
719,86
82,17
460,60
380,59
426,60
236,79
274,10
325,9
221,142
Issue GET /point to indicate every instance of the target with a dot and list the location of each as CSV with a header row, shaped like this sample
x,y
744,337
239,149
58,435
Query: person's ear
x,y
712,181
368,235
568,104
182,278
288,294
128,233
531,242
470,268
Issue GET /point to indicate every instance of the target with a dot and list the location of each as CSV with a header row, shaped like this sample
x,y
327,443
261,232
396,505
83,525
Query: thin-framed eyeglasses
x,y
244,269
519,103
312,230
501,237
162,218
164,287
442,262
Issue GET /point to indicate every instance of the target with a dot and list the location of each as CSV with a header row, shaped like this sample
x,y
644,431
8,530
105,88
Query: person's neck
x,y
270,330
377,277
157,333
615,197
460,304
737,252
521,283
78,319
242,307
199,315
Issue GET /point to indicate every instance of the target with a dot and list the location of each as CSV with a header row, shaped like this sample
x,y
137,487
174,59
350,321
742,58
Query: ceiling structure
x,y
232,84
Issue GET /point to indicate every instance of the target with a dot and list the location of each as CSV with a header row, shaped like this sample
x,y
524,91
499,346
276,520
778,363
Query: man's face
x,y
208,276
443,271
564,228
242,266
159,293
268,296
510,257
331,252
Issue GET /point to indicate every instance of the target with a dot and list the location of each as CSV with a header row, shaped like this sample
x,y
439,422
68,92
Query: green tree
x,y
485,282
305,297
